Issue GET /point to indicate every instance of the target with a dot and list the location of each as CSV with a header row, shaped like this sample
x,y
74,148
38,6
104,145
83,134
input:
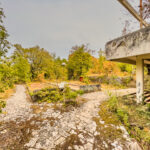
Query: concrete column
x,y
139,79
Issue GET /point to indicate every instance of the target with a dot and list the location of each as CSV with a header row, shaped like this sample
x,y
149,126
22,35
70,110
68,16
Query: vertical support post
x,y
141,13
139,79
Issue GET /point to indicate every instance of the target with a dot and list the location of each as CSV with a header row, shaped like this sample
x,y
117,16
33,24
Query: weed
x,y
148,107
112,103
123,116
54,95
2,105
80,92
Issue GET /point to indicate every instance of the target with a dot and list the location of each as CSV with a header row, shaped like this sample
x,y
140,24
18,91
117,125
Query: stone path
x,y
29,126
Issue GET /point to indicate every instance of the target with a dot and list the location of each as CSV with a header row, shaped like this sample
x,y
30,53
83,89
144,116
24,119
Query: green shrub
x,y
69,94
2,105
86,79
123,116
80,92
47,95
112,103
54,95
148,107
126,80
142,135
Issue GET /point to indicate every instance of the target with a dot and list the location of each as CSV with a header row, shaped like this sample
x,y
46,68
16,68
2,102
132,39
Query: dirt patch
x,y
14,135
39,109
38,85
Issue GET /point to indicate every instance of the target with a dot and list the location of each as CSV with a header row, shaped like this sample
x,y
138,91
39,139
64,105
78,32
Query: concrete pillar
x,y
139,79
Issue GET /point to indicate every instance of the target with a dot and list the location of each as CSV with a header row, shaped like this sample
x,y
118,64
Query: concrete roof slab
x,y
128,46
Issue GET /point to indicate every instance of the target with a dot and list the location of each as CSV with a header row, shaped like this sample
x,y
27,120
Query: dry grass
x,y
76,82
38,109
4,96
41,85
109,87
37,85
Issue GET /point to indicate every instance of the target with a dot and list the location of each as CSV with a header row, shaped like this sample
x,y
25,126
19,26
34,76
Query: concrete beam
x,y
133,44
125,60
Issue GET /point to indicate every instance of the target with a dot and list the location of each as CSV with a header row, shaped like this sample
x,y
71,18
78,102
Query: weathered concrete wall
x,y
90,88
136,43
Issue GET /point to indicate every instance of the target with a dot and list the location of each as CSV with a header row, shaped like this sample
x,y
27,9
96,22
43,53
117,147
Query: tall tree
x,y
21,69
101,59
80,61
4,44
39,59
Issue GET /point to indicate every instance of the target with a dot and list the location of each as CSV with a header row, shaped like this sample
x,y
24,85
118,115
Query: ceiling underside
x,y
132,60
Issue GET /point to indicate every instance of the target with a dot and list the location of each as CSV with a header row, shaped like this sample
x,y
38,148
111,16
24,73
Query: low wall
x,y
90,88
114,80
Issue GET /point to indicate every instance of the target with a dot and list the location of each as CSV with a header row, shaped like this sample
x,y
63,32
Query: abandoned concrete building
x,y
133,48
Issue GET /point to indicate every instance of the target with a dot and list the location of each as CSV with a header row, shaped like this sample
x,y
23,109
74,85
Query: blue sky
x,y
57,25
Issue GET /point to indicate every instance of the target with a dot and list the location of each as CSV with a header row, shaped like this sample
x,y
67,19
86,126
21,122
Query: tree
x,y
6,74
101,59
95,66
79,62
146,9
126,67
60,70
4,44
126,28
39,59
21,69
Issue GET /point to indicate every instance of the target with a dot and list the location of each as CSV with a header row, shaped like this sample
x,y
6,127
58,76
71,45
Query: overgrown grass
x,y
136,118
108,126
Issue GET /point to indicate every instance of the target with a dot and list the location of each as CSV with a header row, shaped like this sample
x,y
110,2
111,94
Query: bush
x,y
148,107
47,95
143,136
126,80
113,103
69,94
123,116
2,105
55,95
85,79
80,92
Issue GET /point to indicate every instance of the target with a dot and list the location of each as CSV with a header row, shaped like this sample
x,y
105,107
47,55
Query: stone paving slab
x,y
50,129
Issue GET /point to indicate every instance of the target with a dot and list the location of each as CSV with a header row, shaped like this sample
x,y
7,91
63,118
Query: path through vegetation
x,y
25,125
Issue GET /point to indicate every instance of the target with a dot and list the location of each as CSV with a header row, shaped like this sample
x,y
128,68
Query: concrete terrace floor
x,y
31,126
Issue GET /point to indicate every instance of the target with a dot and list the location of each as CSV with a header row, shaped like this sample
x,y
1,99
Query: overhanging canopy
x,y
126,48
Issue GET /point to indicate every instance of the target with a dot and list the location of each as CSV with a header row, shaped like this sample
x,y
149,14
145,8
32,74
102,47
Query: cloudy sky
x,y
57,25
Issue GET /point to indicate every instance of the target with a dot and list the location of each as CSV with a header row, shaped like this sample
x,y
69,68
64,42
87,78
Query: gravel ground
x,y
17,106
33,126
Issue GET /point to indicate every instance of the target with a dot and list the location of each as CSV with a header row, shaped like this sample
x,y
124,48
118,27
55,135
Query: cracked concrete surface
x,y
33,126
